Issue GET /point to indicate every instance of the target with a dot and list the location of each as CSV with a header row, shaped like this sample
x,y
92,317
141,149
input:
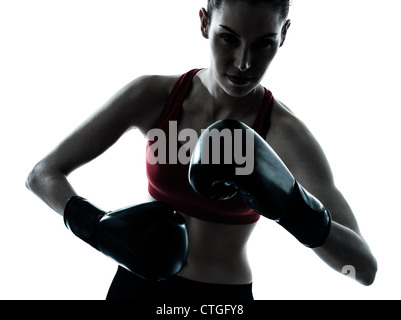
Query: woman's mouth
x,y
239,81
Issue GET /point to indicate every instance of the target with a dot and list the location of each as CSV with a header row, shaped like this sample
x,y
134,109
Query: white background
x,y
339,71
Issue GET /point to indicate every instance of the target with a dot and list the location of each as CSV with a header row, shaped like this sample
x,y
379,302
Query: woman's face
x,y
244,39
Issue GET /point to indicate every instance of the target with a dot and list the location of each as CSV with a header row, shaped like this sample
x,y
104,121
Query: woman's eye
x,y
229,38
264,43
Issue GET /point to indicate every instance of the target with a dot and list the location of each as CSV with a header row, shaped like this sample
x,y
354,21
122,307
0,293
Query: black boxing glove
x,y
269,188
149,239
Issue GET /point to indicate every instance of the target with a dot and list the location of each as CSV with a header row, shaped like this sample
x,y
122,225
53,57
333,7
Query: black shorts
x,y
128,286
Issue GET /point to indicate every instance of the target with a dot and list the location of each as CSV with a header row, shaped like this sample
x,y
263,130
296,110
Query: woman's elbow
x,y
32,179
35,176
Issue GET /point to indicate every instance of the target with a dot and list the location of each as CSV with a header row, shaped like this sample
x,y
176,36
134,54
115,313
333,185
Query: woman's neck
x,y
221,100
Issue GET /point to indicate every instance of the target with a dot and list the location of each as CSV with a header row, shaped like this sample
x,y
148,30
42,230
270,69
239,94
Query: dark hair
x,y
282,5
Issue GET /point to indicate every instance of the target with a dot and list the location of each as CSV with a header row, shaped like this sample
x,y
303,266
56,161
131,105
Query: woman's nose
x,y
242,59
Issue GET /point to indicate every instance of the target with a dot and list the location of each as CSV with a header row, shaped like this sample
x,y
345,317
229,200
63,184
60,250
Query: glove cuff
x,y
82,218
306,218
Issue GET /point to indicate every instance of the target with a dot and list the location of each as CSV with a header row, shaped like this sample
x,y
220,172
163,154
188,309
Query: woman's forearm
x,y
344,249
51,186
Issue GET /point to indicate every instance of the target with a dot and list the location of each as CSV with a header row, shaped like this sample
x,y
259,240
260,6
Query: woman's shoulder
x,y
144,98
158,85
152,86
284,121
292,140
158,82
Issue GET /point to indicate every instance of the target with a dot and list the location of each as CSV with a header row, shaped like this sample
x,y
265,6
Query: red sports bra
x,y
169,182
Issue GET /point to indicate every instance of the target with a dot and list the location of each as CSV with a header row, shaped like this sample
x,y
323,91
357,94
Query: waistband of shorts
x,y
179,279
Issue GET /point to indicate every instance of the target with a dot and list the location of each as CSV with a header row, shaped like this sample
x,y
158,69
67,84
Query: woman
x,y
244,38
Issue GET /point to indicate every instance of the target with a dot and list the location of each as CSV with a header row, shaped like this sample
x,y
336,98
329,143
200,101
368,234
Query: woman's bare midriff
x,y
217,252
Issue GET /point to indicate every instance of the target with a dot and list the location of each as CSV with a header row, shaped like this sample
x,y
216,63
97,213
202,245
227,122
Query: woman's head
x,y
244,37
283,6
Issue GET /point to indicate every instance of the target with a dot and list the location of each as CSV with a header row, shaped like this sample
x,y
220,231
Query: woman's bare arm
x,y
304,157
137,105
